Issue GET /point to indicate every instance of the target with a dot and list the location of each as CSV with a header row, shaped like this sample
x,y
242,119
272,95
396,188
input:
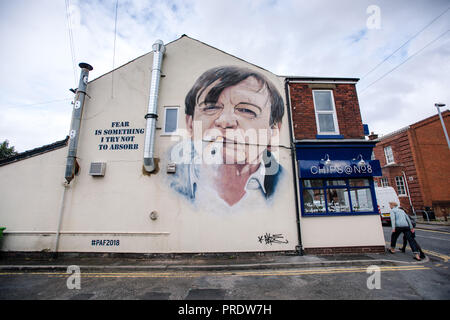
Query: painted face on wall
x,y
237,125
233,118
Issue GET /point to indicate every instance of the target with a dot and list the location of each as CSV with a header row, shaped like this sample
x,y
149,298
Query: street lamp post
x,y
438,105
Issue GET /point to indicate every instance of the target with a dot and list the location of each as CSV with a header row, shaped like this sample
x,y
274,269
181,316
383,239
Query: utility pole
x,y
438,105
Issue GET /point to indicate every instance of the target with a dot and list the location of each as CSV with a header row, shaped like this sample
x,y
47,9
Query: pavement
x,y
434,225
203,262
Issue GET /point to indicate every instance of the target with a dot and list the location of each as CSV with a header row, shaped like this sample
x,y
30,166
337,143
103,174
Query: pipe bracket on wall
x,y
151,115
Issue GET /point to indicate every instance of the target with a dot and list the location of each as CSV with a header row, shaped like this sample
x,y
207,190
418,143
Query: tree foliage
x,y
5,150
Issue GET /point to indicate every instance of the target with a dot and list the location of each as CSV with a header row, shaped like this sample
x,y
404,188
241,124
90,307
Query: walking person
x,y
403,249
402,224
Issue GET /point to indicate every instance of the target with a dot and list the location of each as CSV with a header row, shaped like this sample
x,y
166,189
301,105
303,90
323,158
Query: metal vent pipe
x,y
152,115
76,120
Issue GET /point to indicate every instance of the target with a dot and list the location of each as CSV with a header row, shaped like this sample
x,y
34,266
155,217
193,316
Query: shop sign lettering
x,y
347,169
119,137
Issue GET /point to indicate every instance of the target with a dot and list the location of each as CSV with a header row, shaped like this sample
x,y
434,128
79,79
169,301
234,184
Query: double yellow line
x,y
260,273
436,254
435,231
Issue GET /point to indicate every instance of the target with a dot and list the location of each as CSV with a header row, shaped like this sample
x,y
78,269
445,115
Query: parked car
x,y
384,196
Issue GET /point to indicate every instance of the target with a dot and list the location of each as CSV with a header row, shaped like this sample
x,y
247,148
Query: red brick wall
x,y
432,157
347,110
404,161
422,152
345,250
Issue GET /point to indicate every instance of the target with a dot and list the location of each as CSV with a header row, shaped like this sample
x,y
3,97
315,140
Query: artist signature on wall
x,y
272,238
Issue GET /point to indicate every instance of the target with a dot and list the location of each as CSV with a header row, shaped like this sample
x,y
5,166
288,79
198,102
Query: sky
x,y
399,49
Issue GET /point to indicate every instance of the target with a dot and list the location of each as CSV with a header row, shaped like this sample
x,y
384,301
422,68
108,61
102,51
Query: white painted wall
x,y
351,231
31,192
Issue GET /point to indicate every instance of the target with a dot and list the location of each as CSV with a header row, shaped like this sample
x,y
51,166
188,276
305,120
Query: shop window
x,y
337,197
170,120
361,200
337,200
314,201
326,118
401,190
389,155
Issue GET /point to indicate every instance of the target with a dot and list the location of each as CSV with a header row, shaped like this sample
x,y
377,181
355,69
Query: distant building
x,y
415,162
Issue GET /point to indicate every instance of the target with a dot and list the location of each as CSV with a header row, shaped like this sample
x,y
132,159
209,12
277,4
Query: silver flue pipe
x,y
76,121
152,111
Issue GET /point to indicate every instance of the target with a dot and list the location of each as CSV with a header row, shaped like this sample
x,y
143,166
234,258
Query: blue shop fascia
x,y
336,177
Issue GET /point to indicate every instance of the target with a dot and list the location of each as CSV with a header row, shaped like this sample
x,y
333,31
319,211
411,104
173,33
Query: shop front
x,y
337,195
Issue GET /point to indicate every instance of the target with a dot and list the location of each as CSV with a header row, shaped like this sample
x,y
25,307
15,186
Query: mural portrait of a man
x,y
233,120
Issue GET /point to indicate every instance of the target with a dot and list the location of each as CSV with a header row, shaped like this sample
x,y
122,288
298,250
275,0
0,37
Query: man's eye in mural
x,y
210,109
247,110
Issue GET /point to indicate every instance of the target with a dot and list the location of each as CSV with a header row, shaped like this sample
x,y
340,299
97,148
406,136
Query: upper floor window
x,y
326,118
389,155
170,120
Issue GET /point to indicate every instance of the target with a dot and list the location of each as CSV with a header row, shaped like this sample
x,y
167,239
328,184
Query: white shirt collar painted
x,y
254,182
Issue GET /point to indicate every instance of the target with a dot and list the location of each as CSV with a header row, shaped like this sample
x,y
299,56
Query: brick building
x,y
335,169
415,162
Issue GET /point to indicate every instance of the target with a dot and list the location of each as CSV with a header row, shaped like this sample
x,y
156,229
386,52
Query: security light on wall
x,y
326,160
361,161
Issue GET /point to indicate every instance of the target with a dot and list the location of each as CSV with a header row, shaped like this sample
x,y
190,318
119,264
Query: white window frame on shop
x,y
174,132
330,110
389,155
401,187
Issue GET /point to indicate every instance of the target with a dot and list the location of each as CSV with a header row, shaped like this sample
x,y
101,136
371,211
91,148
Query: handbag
x,y
413,221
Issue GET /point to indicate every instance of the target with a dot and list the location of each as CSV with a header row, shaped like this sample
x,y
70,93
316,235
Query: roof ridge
x,y
34,152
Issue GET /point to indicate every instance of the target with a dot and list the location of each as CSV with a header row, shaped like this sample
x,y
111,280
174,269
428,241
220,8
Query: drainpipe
x,y
76,121
61,210
409,196
294,166
152,115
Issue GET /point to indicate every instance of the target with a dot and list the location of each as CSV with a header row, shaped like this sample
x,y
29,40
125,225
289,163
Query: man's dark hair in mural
x,y
229,76
231,105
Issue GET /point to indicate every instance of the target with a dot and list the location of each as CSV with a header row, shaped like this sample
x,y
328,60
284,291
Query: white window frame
x,y
384,182
333,112
391,155
401,186
165,119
